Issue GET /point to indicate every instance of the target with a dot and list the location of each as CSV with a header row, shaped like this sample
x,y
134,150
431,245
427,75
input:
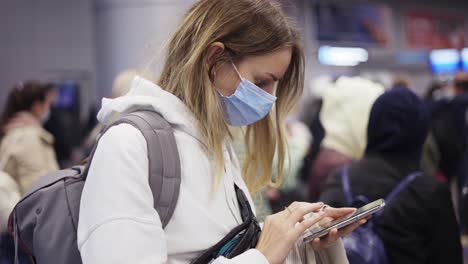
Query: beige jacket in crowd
x,y
9,196
28,153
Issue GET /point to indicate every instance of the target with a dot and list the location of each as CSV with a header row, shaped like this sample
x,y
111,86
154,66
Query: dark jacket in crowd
x,y
449,127
420,225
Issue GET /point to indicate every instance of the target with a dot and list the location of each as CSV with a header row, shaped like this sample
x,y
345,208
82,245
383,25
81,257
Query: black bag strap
x,y
163,155
240,239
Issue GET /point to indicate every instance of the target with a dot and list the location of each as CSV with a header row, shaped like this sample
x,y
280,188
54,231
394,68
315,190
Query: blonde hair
x,y
246,28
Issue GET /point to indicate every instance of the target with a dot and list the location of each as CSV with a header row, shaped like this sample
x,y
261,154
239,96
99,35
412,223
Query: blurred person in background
x,y
123,81
450,130
309,114
445,144
447,153
434,91
26,150
311,102
431,154
9,196
401,80
461,83
25,144
461,186
344,116
120,87
419,225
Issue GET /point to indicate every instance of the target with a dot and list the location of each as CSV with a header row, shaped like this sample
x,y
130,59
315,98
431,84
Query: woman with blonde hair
x,y
228,64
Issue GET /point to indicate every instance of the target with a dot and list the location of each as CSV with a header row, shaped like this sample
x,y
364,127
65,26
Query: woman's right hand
x,y
281,230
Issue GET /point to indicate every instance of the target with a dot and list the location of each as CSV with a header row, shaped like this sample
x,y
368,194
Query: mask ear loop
x,y
235,69
212,75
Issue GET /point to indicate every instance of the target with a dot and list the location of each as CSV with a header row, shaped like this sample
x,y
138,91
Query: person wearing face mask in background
x,y
26,151
26,148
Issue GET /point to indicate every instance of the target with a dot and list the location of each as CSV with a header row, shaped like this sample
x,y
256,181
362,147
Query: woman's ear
x,y
213,51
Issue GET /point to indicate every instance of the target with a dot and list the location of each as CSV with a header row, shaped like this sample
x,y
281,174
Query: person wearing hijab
x,y
344,116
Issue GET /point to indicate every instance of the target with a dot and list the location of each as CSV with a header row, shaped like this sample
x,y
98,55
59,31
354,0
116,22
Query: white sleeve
x,y
118,223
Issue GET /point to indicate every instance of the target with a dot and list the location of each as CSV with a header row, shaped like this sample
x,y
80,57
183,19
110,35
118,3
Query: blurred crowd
x,y
348,129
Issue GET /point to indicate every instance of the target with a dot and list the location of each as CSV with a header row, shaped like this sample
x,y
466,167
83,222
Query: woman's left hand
x,y
330,215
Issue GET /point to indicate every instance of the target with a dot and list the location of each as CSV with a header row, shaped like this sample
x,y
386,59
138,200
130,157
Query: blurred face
x,y
263,71
41,109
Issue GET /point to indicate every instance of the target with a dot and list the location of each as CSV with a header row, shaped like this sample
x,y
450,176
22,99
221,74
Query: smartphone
x,y
363,212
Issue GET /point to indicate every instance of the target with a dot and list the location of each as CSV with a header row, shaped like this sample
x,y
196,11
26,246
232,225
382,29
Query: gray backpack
x,y
45,221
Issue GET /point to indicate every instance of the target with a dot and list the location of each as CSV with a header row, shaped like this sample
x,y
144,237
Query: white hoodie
x,y
118,223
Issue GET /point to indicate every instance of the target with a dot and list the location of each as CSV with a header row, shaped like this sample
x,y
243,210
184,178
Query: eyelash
x,y
261,84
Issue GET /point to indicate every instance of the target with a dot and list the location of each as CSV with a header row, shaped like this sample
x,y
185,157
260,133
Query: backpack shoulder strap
x,y
401,186
390,197
348,192
164,161
163,155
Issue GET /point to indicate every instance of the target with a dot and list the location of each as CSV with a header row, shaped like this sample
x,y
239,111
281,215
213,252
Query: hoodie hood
x,y
398,125
145,95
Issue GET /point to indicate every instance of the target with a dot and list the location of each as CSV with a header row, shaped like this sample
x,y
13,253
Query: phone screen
x,y
366,210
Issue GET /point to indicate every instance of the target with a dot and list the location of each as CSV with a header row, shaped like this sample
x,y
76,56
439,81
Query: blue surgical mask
x,y
248,104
